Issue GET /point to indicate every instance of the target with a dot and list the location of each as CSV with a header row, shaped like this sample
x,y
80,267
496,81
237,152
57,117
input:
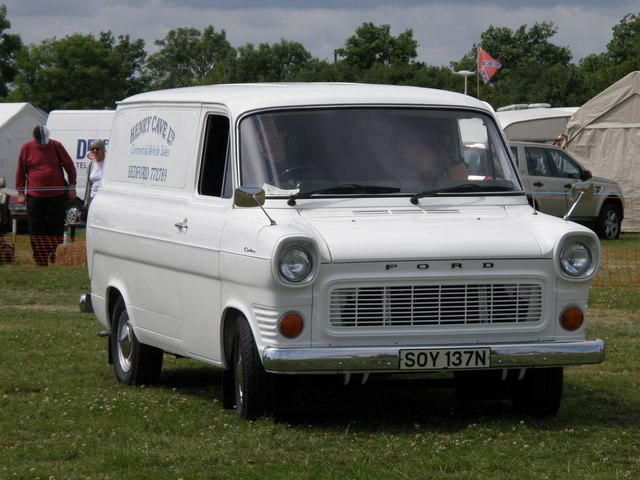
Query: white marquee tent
x,y
17,121
604,134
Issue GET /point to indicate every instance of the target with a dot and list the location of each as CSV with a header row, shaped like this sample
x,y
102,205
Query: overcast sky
x,y
445,30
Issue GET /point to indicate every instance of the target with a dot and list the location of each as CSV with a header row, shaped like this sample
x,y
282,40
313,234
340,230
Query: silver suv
x,y
548,172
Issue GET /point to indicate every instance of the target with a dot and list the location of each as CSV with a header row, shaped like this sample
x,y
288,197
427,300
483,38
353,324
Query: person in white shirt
x,y
95,174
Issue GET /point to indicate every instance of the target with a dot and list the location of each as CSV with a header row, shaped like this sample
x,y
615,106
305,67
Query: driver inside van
x,y
428,162
275,151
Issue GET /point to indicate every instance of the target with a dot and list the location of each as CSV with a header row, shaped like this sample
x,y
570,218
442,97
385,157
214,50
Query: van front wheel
x,y
250,379
539,393
134,363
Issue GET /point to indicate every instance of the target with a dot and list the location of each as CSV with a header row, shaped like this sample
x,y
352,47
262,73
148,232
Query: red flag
x,y
487,66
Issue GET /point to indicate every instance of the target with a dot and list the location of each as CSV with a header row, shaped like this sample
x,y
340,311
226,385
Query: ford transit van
x,y
279,231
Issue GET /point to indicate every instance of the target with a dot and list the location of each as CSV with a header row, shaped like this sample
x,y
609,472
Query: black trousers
x,y
46,226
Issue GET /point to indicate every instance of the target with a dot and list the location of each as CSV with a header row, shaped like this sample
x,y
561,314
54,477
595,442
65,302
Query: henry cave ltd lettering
x,y
153,124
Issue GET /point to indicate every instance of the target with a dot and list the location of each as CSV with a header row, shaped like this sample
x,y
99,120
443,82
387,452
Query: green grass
x,y
63,415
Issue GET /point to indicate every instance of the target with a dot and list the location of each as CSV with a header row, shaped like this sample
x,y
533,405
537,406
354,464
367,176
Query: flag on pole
x,y
487,66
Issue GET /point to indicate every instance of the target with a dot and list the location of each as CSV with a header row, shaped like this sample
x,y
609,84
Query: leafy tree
x,y
10,45
80,72
624,48
621,57
188,57
270,63
374,45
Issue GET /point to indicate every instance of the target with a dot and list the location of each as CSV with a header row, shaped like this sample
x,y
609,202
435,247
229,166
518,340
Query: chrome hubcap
x,y
125,337
611,224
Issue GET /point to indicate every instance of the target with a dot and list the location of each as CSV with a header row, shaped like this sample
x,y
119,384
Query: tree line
x,y
82,71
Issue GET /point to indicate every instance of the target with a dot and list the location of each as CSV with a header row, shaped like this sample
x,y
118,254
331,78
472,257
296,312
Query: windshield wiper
x,y
463,187
349,188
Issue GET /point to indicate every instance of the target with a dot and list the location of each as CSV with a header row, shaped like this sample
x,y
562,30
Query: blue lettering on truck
x,y
83,147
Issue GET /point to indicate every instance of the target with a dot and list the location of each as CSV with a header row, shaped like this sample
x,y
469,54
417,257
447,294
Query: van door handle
x,y
182,226
538,184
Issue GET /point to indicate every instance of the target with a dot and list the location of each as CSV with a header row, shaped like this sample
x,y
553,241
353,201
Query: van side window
x,y
215,175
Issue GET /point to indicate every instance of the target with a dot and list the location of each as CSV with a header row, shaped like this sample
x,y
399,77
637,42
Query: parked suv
x,y
280,231
548,173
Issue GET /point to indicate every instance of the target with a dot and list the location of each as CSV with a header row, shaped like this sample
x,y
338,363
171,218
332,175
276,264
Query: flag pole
x,y
478,75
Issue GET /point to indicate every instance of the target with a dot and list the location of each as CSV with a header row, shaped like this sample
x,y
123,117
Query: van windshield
x,y
387,151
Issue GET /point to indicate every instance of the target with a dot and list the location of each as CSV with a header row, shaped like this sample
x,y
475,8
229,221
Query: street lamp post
x,y
466,74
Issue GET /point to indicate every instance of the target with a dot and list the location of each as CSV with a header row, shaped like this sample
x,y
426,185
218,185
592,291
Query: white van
x,y
284,230
76,129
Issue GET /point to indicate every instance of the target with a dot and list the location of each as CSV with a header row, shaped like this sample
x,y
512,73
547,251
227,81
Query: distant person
x,y
96,147
43,189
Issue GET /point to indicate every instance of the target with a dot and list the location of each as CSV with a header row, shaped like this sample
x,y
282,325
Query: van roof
x,y
245,97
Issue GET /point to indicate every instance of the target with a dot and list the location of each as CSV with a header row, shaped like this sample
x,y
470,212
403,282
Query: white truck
x,y
287,230
75,129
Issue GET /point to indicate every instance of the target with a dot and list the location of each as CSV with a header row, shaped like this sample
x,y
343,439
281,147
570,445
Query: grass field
x,y
63,416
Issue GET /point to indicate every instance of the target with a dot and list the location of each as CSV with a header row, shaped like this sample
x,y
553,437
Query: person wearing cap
x,y
42,187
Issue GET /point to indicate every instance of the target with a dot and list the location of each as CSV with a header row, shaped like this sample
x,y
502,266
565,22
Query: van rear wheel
x,y
134,363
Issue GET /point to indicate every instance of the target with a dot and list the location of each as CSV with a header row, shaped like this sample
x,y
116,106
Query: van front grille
x,y
435,305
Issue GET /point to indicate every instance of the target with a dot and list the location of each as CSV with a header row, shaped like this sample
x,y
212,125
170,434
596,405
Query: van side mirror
x,y
251,197
248,197
586,175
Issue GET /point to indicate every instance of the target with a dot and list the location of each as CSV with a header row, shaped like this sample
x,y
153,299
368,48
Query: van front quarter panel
x,y
276,230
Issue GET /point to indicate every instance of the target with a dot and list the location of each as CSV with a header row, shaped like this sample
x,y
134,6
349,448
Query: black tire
x,y
482,385
134,363
539,393
609,222
251,382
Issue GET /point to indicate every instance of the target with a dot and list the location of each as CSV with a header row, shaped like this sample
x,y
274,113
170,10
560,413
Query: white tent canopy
x,y
17,121
604,134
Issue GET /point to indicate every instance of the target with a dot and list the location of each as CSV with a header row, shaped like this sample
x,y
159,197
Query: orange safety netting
x,y
16,250
619,267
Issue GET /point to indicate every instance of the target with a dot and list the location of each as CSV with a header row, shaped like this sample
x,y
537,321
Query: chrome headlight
x,y
295,264
576,259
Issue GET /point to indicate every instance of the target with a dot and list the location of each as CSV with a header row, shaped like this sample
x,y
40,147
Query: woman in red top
x,y
41,186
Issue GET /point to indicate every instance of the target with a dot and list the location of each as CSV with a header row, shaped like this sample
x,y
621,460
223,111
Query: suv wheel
x,y
608,226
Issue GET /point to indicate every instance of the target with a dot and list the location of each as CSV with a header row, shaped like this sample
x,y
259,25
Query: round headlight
x,y
575,259
295,264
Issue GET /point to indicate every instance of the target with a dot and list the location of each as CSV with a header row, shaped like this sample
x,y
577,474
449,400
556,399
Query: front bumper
x,y
387,359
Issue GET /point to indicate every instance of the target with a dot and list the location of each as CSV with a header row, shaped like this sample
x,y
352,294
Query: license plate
x,y
444,359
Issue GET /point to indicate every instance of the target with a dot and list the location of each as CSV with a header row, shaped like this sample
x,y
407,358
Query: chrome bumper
x,y
387,359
